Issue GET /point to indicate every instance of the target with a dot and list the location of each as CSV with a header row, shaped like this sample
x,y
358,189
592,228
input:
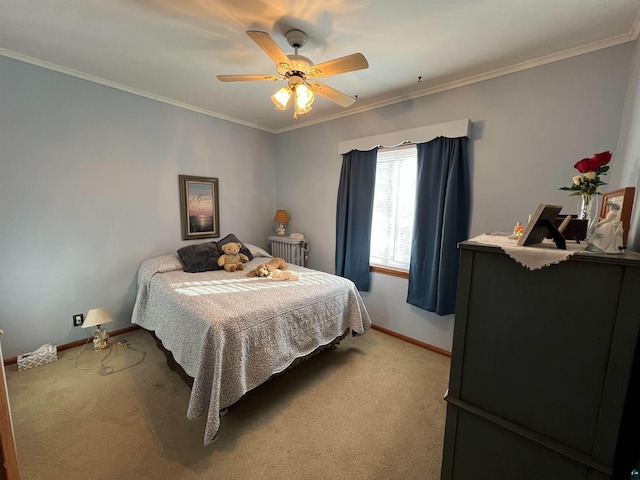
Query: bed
x,y
230,332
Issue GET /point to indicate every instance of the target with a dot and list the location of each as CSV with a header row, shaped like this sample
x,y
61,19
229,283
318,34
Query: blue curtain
x,y
441,222
354,214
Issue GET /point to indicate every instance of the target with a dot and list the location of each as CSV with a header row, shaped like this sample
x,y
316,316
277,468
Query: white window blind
x,y
393,207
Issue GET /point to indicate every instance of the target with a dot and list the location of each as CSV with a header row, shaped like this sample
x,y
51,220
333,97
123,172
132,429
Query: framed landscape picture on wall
x,y
199,212
622,202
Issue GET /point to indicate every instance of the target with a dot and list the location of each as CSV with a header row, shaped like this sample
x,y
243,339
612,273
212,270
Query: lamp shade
x,y
304,98
96,316
281,98
281,216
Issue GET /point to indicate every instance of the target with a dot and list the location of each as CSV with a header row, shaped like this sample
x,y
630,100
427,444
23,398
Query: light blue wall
x,y
89,189
529,130
89,180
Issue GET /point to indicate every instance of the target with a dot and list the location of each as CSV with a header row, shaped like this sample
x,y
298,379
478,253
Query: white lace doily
x,y
532,257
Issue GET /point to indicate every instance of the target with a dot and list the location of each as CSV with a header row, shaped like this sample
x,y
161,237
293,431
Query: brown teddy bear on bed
x,y
265,269
232,259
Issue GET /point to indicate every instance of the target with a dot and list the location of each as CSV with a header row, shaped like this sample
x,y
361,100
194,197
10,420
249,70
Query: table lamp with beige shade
x,y
95,318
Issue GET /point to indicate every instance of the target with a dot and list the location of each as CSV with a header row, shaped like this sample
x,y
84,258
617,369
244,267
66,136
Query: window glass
x,y
393,207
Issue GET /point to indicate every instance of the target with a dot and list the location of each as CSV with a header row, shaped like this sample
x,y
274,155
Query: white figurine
x,y
606,235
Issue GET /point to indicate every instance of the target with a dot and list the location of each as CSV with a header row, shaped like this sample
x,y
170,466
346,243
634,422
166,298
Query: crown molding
x,y
544,60
518,67
118,86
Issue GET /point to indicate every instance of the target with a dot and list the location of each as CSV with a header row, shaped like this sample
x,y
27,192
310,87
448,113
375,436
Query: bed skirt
x,y
175,366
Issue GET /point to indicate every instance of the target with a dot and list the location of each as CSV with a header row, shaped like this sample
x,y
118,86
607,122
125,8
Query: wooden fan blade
x,y
349,63
270,47
247,78
332,94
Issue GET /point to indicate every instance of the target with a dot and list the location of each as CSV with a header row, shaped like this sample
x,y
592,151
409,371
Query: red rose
x,y
602,158
594,163
583,166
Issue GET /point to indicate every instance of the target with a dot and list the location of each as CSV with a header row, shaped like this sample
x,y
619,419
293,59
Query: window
x,y
393,207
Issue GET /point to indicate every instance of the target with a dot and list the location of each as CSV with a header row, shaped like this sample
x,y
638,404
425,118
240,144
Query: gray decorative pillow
x,y
201,257
257,251
232,238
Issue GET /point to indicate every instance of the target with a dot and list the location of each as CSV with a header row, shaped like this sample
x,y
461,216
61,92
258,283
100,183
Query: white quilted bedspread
x,y
231,332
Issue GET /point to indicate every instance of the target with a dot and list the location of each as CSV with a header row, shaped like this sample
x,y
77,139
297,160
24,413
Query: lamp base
x,y
100,338
280,230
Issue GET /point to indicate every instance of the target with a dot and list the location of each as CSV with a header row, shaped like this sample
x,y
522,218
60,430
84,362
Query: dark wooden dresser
x,y
542,380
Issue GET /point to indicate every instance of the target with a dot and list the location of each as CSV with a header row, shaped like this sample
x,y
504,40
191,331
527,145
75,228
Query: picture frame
x,y
540,224
199,207
622,197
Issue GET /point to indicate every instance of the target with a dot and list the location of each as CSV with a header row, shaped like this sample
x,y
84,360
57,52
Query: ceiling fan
x,y
297,70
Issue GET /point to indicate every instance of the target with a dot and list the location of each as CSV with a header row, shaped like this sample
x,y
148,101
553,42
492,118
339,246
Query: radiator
x,y
292,250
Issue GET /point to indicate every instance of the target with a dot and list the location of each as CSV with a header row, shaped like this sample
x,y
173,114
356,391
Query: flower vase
x,y
586,209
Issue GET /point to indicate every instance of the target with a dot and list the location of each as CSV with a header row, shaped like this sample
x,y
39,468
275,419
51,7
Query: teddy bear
x,y
231,260
264,269
278,274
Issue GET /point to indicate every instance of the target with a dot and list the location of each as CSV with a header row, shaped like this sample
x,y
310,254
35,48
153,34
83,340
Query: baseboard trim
x,y
77,343
413,341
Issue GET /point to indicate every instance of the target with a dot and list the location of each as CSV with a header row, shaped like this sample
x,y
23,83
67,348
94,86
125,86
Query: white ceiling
x,y
172,50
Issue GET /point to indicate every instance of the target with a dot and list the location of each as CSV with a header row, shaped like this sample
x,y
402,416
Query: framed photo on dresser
x,y
621,201
540,224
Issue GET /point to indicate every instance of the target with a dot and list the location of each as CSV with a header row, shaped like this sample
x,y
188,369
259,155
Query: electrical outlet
x,y
78,319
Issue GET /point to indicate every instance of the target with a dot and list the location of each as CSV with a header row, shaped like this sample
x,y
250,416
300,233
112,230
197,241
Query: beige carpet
x,y
372,409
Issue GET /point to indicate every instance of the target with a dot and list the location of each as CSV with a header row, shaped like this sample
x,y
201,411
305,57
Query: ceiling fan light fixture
x,y
281,98
303,99
300,111
296,70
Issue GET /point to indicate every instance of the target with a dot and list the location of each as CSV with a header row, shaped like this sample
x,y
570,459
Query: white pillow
x,y
257,251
